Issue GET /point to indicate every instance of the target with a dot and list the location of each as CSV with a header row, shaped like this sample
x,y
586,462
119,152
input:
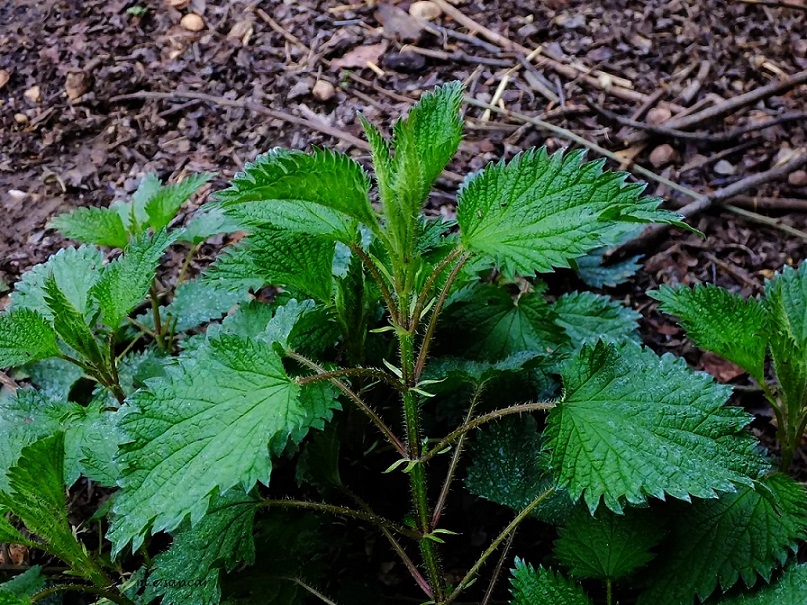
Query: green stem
x,y
498,570
379,279
417,476
310,589
609,591
496,542
429,285
368,372
424,347
107,594
183,272
521,408
344,511
115,386
155,312
375,418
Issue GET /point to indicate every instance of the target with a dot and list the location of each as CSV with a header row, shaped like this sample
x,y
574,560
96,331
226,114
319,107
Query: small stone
x,y
192,22
657,115
178,4
428,11
76,84
4,78
799,48
797,178
323,90
662,155
724,168
33,94
20,118
17,195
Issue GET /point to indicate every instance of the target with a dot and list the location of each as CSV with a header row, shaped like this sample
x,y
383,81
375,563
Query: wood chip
x,y
360,56
4,78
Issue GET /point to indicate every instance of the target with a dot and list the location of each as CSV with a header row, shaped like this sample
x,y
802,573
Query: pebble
x,y
797,178
33,94
724,168
657,115
192,22
662,155
428,11
323,90
178,4
4,77
20,118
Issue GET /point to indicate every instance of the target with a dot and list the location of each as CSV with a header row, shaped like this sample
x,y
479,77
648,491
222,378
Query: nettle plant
x,y
244,433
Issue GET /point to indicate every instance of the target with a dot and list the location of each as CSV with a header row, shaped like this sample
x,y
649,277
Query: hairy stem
x,y
183,272
455,458
427,338
521,408
310,589
498,570
609,592
496,542
375,418
368,372
155,312
115,386
345,511
107,594
429,285
379,279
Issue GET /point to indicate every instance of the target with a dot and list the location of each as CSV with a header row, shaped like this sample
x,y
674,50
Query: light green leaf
x,y
91,444
716,542
786,301
26,584
382,158
25,336
322,193
298,262
787,589
588,317
721,322
54,377
530,586
75,271
196,303
608,546
100,226
71,325
207,426
189,571
510,468
485,321
632,425
126,280
538,211
37,497
205,224
133,213
10,534
163,205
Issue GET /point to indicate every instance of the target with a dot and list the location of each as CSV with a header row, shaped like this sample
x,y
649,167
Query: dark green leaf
x,y
530,586
588,317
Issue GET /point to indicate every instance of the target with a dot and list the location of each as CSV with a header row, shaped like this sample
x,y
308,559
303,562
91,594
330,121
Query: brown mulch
x,y
72,134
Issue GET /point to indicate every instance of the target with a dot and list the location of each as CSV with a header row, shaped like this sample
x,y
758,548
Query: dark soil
x,y
68,139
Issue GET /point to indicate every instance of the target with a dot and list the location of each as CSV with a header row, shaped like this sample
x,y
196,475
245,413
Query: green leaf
x,y
37,497
509,468
133,213
91,444
126,280
196,303
10,534
189,571
164,204
54,377
588,317
632,425
71,325
591,270
452,371
26,584
303,327
100,226
716,542
538,211
322,193
786,301
25,336
206,426
608,546
485,321
721,322
788,589
205,224
75,271
319,463
530,586
298,262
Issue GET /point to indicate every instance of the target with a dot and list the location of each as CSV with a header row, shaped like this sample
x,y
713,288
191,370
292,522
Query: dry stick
x,y
703,202
766,220
777,4
704,137
735,103
716,157
751,202
568,134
